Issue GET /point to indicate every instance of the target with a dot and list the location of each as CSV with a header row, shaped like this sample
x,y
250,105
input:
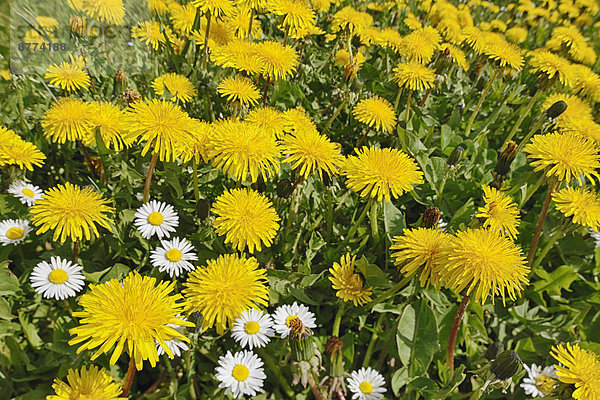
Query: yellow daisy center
x,y
173,255
15,233
58,276
28,192
288,321
155,218
366,387
545,384
240,372
251,327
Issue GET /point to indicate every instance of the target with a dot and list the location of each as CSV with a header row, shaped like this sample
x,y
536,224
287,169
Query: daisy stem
x,y
75,251
195,183
335,115
406,115
454,332
129,377
524,113
205,59
364,136
276,371
373,341
357,223
149,177
480,102
338,320
540,224
427,93
390,292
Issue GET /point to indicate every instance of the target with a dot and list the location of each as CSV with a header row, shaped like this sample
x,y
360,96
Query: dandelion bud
x,y
78,25
120,76
505,159
203,207
431,216
284,188
493,350
131,96
455,156
495,184
556,109
334,349
301,341
506,365
350,70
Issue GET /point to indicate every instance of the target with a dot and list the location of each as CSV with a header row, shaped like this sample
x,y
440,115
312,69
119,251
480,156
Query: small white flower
x,y
59,280
283,315
13,231
253,328
366,384
240,373
173,256
25,192
156,217
175,345
540,382
596,237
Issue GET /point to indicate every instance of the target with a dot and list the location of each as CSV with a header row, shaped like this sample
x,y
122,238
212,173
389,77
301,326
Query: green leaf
x,y
417,337
5,310
393,220
9,284
100,143
553,282
374,276
30,331
399,380
118,272
172,173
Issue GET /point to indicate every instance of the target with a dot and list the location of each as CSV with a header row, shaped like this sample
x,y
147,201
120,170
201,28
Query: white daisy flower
x,y
596,237
283,315
13,231
59,280
25,192
175,345
156,217
173,256
253,328
240,373
540,382
366,384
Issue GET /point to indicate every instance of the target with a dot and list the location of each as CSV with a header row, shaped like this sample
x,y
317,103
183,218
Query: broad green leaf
x,y
553,282
393,220
417,337
30,331
9,284
5,310
374,276
457,378
399,380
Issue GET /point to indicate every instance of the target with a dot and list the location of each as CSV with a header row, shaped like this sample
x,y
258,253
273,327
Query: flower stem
x,y
205,59
524,113
129,377
373,220
149,177
329,219
75,251
266,91
454,331
195,183
350,47
480,102
406,115
250,24
373,341
397,101
335,115
338,320
313,386
540,224
357,223
287,35
390,292
547,248
364,136
276,371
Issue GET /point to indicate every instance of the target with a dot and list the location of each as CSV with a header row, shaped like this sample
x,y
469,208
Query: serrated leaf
x,y
30,331
456,380
553,282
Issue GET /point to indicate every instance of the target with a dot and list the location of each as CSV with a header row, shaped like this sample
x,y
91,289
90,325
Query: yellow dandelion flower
x,y
414,76
564,155
389,37
349,284
68,119
583,127
19,152
157,6
322,5
239,148
301,33
197,144
150,33
178,86
475,38
109,119
582,204
238,88
298,13
135,312
310,151
71,211
279,60
485,262
224,288
69,75
92,383
420,45
342,58
182,17
576,108
7,136
381,173
516,34
47,23
575,43
587,82
500,212
551,65
220,33
216,8
350,19
412,22
239,23
297,120
376,111
420,247
228,54
246,218
268,119
578,367
109,11
455,54
160,123
504,54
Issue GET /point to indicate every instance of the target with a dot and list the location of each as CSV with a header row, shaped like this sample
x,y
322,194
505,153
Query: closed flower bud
x,y
120,76
431,216
131,96
203,207
505,159
556,109
506,365
493,350
350,70
284,188
78,25
334,349
455,156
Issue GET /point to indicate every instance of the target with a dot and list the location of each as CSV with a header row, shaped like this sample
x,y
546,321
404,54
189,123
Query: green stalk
x,y
360,219
195,183
205,59
329,220
480,102
390,292
250,24
551,241
407,108
524,113
373,341
335,115
276,372
350,47
338,320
